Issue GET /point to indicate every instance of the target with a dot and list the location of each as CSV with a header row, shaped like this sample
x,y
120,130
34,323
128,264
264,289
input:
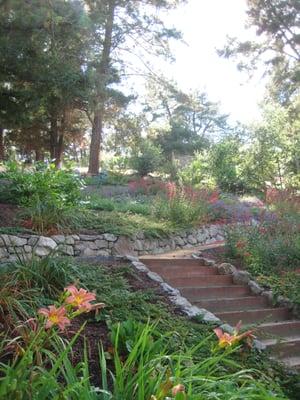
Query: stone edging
x,y
244,277
181,302
107,244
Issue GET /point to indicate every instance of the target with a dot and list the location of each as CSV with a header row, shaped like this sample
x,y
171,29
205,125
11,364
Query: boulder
x,y
192,240
241,277
226,269
110,237
46,242
58,238
124,246
101,244
254,287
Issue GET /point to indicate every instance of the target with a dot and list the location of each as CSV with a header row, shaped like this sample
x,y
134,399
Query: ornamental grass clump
x,y
182,205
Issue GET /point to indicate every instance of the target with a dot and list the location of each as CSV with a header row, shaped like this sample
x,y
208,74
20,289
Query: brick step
x,y
281,348
204,281
171,262
233,304
197,293
281,329
179,271
254,316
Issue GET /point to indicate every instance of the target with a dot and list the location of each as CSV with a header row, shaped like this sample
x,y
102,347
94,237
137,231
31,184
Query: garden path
x,y
204,287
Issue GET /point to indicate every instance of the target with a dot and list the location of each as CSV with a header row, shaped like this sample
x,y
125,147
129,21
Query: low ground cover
x,y
49,201
150,349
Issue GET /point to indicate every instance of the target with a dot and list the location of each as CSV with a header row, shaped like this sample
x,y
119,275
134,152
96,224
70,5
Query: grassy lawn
x,y
148,346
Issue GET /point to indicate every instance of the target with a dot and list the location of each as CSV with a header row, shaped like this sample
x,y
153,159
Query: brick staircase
x,y
204,287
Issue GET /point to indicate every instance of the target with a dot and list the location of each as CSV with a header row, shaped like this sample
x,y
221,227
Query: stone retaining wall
x,y
104,245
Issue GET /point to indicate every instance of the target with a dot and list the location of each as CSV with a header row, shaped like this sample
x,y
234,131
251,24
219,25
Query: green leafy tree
x,y
183,123
42,47
118,27
146,157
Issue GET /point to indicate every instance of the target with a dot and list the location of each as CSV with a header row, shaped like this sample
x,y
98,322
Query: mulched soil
x,y
95,333
8,213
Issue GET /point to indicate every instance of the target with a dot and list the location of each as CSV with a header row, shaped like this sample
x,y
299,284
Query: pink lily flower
x,y
80,298
55,316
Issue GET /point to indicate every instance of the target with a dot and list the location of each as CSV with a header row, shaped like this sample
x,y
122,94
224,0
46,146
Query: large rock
x,y
15,241
89,252
241,277
101,244
226,269
41,251
70,239
88,237
110,237
58,238
155,277
3,253
191,239
214,230
201,237
179,241
124,246
138,245
32,241
66,250
254,287
46,242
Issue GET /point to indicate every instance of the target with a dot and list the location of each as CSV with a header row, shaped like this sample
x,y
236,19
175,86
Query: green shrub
x,y
146,158
47,195
59,186
198,172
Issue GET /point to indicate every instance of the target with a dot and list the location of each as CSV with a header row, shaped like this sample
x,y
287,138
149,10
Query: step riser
x,y
233,304
205,280
177,272
254,316
182,275
198,294
282,350
287,329
171,262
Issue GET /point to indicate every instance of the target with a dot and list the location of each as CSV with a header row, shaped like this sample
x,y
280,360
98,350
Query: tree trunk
x,y
2,152
94,159
39,155
102,78
59,151
56,143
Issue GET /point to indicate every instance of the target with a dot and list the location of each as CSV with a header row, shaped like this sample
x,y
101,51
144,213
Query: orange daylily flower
x,y
55,316
225,339
80,298
178,389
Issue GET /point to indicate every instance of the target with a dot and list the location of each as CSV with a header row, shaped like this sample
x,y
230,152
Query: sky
x,y
205,25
